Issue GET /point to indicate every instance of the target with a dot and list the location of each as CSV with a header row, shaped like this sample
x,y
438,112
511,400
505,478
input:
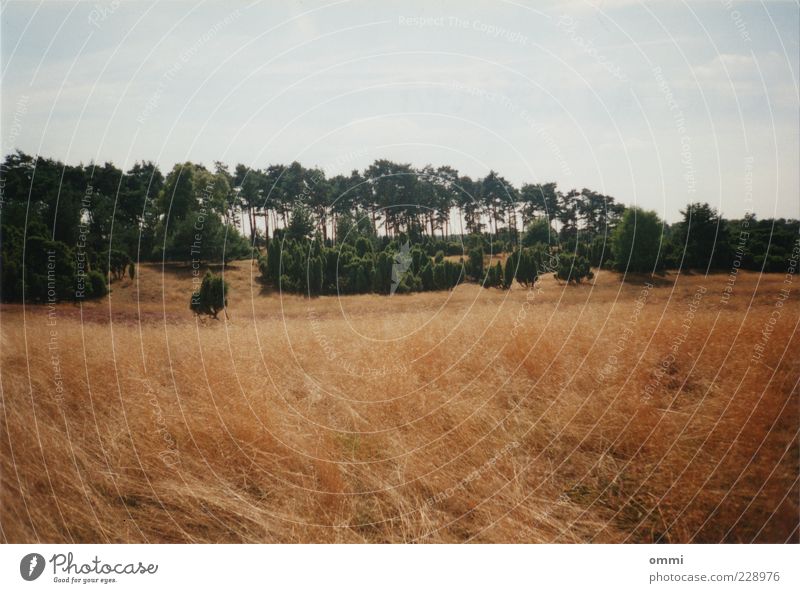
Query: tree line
x,y
72,229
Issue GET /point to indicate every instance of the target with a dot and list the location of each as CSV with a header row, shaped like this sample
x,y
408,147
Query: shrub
x,y
363,246
454,273
454,249
636,242
49,272
539,231
524,266
212,296
316,280
531,261
409,284
508,272
494,276
426,275
96,284
572,267
115,262
301,224
382,279
475,264
440,276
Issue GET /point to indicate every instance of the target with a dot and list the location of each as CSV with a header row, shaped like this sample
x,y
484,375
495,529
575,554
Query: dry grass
x,y
423,418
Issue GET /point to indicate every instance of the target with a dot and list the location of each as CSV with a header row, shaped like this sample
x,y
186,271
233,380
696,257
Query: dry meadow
x,y
605,412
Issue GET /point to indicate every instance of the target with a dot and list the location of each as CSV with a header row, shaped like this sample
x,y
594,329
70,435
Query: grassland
x,y
605,412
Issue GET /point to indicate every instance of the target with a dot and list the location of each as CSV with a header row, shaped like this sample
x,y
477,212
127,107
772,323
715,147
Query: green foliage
x,y
702,237
494,276
48,272
524,266
363,246
475,264
509,272
96,284
301,225
763,244
637,242
115,262
599,251
212,296
418,259
573,268
196,225
539,231
101,215
382,281
455,273
358,276
203,238
410,283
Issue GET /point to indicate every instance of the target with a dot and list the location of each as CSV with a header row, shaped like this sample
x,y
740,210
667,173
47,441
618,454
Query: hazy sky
x,y
656,104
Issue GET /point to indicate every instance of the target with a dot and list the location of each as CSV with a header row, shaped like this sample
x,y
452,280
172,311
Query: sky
x,y
657,104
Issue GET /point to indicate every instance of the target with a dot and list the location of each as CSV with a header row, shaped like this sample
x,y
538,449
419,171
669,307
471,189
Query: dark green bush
x,y
573,268
212,296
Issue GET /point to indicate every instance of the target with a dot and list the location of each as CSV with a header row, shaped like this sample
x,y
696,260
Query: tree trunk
x,y
251,218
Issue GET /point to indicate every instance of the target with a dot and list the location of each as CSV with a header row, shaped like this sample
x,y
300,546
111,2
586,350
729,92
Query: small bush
x,y
494,276
475,264
96,283
573,268
212,296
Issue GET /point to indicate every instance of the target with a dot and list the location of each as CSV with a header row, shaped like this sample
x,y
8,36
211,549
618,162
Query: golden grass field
x,y
471,416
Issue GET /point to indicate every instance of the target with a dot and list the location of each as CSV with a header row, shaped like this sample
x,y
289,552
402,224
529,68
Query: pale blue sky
x,y
656,104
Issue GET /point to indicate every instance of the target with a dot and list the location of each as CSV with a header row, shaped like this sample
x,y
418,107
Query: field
x,y
604,412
